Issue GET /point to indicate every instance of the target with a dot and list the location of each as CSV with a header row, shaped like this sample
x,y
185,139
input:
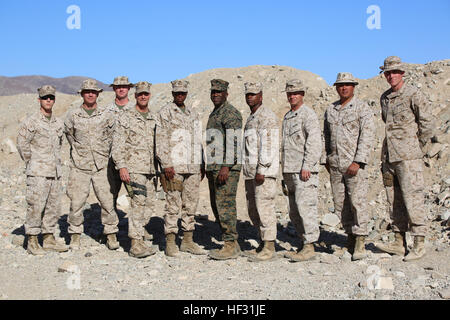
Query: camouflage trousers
x,y
114,180
405,196
78,191
261,207
186,201
44,205
223,203
350,200
303,205
141,204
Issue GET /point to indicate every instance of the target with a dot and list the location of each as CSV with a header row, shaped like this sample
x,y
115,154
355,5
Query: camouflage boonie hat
x,y
345,77
180,86
393,63
295,85
253,87
143,86
90,84
121,81
219,85
46,91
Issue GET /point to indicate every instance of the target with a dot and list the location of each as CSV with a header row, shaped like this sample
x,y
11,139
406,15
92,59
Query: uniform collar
x,y
175,108
295,113
138,114
115,109
398,93
337,105
129,105
221,107
44,118
82,113
259,111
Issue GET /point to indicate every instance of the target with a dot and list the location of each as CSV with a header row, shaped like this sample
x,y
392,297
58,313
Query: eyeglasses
x,y
51,97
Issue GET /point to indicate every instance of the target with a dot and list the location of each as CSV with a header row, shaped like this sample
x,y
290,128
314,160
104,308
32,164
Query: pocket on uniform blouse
x,y
296,127
133,137
400,113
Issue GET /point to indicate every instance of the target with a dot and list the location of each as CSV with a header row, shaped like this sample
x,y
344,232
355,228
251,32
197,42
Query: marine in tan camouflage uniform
x,y
180,153
409,128
349,138
133,153
122,103
300,154
39,144
260,169
89,130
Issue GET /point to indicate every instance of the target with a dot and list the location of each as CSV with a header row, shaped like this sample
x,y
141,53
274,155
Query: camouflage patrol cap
x,y
180,86
219,85
253,87
345,77
46,91
90,84
393,63
295,85
121,81
143,86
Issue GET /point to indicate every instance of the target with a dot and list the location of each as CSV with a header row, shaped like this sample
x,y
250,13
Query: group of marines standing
x,y
126,143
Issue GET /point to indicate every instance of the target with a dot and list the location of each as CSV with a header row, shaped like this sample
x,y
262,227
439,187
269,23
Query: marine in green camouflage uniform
x,y
223,148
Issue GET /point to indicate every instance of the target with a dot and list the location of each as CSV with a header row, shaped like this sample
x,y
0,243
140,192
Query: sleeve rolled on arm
x,y
233,132
118,146
313,145
268,147
366,135
424,117
26,133
162,140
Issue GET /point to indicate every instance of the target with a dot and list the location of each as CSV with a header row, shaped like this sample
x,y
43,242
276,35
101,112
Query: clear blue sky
x,y
159,41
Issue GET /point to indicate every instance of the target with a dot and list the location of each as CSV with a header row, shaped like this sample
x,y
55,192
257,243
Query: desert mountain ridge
x,y
29,84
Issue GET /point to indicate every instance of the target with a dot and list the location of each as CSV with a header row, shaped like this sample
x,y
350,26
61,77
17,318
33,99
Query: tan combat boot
x,y
307,253
360,248
266,254
75,243
397,247
139,249
50,244
351,241
111,241
418,251
253,252
33,246
171,246
290,254
230,250
188,244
